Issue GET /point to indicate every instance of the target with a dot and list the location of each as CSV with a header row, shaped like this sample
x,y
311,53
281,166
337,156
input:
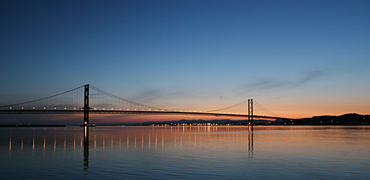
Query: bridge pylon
x,y
250,111
86,105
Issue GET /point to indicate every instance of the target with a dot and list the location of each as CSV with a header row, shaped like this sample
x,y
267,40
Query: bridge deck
x,y
53,111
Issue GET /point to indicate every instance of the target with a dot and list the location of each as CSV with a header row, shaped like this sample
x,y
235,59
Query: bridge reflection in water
x,y
86,147
92,140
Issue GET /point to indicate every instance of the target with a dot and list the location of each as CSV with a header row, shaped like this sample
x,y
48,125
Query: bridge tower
x,y
250,111
86,105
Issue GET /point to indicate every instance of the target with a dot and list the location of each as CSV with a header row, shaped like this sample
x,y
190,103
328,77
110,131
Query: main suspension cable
x,y
125,100
227,107
264,109
43,98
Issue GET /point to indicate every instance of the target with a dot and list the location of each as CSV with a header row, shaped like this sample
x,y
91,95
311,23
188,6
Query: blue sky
x,y
296,58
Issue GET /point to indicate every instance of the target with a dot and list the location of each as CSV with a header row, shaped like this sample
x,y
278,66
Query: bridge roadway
x,y
158,112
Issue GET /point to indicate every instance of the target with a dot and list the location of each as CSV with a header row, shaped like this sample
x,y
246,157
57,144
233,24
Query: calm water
x,y
264,152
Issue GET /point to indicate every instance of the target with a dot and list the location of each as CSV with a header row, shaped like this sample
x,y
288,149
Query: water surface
x,y
177,152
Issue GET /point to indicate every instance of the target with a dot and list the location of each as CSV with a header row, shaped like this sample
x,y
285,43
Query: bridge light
x,y
11,108
33,108
111,108
65,108
103,108
74,108
55,107
119,108
22,107
44,107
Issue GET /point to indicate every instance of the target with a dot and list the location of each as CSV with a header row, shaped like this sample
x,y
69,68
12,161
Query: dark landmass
x,y
28,125
346,119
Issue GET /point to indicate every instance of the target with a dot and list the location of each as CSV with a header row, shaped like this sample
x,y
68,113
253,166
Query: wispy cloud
x,y
275,84
148,95
310,76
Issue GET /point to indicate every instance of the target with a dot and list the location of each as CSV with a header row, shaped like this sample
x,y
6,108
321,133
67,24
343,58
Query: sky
x,y
295,58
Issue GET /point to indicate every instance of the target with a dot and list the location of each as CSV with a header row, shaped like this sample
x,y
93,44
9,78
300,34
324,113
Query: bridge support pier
x,y
86,105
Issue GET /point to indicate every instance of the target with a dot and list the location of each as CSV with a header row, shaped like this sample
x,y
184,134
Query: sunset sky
x,y
296,58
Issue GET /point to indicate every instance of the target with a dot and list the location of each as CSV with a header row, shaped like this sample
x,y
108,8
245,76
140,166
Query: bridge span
x,y
62,104
135,112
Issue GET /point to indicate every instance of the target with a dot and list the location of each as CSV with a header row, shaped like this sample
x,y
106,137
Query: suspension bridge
x,y
88,99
